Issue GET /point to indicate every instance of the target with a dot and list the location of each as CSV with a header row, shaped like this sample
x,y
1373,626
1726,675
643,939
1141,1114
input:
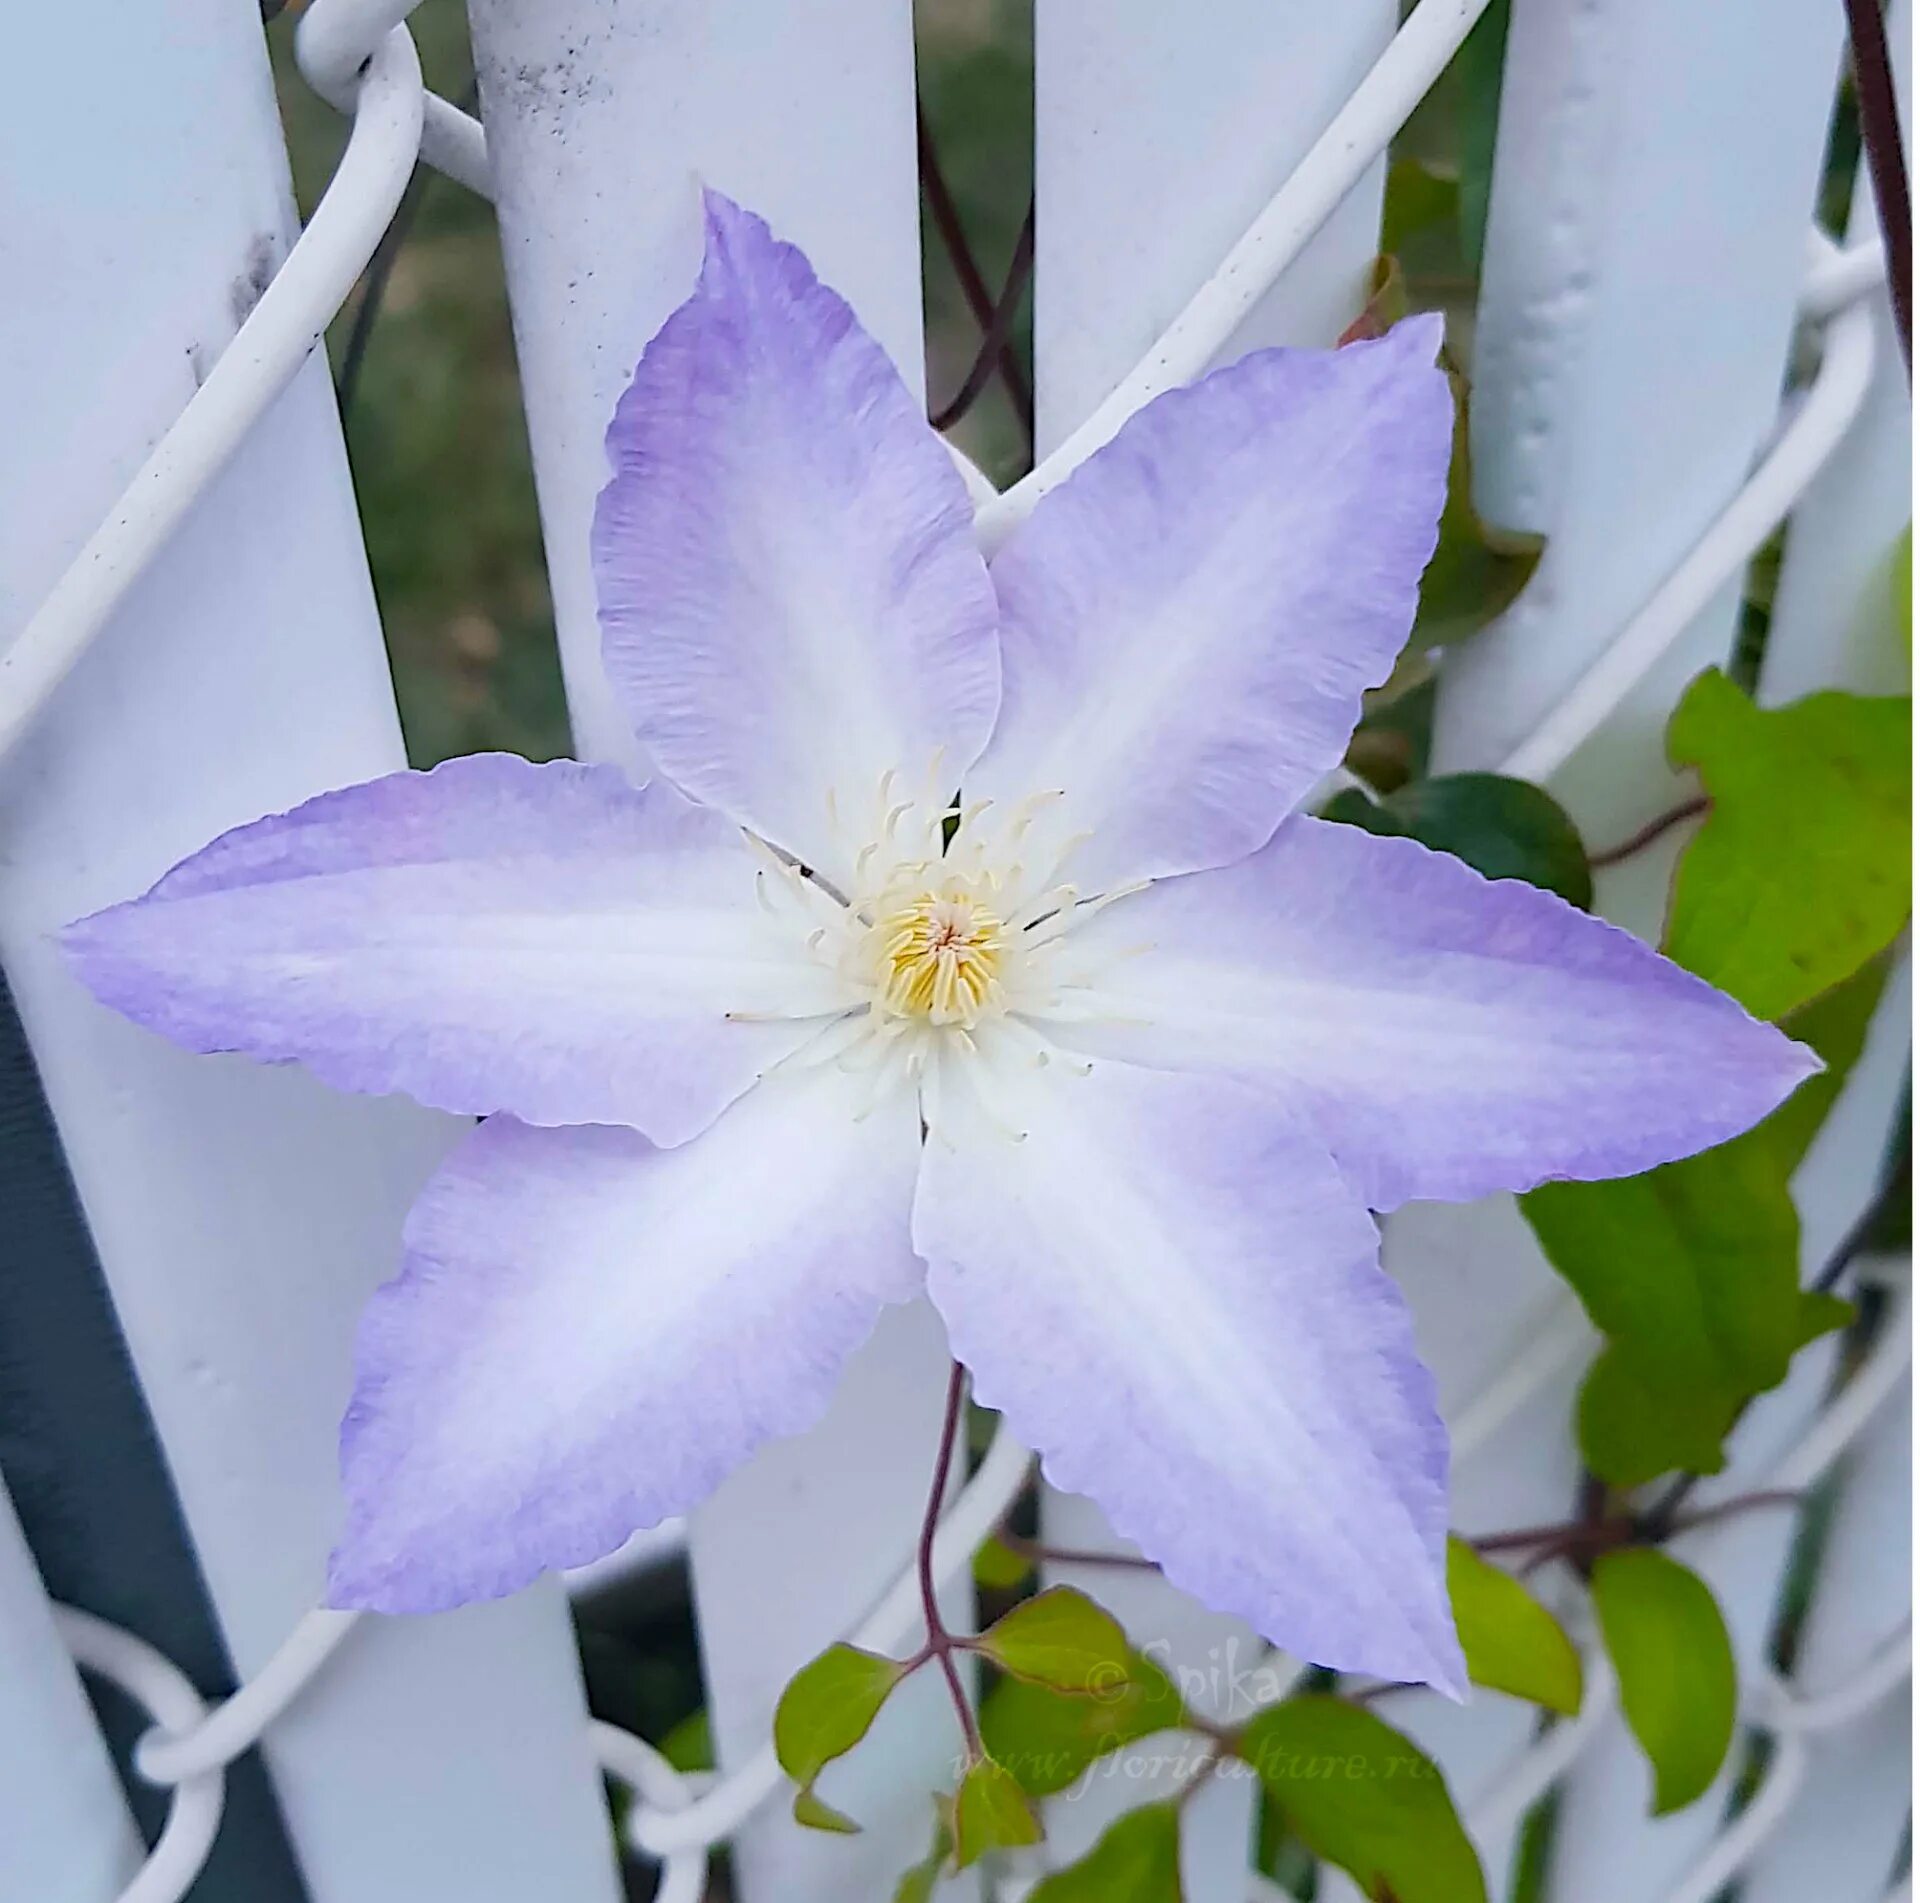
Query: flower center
x,y
939,955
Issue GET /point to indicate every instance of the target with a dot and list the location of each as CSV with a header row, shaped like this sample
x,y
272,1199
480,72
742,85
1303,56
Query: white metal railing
x,y
358,54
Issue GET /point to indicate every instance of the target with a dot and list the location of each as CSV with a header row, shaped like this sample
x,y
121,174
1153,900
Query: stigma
x,y
938,954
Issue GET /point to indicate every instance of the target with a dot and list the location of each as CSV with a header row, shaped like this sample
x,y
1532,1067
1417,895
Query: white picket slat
x,y
1840,1839
241,1215
1833,626
1833,618
66,1835
602,121
1158,140
1601,421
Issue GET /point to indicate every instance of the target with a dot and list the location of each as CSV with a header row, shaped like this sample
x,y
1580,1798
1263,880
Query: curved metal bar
x,y
1826,413
172,1756
1381,104
333,44
162,1690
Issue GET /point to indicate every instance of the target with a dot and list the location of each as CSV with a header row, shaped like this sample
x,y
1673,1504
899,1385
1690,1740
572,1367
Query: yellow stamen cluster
x,y
940,957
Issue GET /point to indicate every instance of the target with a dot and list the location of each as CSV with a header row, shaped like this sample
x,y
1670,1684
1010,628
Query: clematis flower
x,y
1112,1052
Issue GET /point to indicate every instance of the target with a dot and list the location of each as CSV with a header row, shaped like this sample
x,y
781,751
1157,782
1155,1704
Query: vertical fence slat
x,y
106,1535
1159,136
1833,617
241,1215
1844,1831
65,1834
1157,141
602,117
1654,176
1833,626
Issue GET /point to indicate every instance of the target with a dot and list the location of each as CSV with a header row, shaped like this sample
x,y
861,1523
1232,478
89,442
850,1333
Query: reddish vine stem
x,y
945,215
1588,1538
996,339
1886,159
1548,1541
1648,833
941,1644
1207,1762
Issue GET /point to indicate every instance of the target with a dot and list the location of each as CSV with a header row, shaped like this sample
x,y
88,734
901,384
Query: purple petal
x,y
1449,1035
589,1334
791,598
493,935
1188,623
1173,1296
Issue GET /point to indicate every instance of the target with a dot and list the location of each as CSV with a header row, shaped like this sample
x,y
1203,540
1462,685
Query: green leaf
x,y
689,1745
1694,1264
1802,871
1420,198
1512,1642
1693,1271
1674,1661
1821,1314
997,1566
919,1884
1476,570
826,1709
990,1812
1364,1797
1834,1028
1048,1739
1062,1639
1137,1860
1505,829
817,1814
1636,1423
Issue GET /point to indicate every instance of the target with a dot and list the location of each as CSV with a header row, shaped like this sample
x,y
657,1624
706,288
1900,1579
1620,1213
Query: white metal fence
x,y
194,641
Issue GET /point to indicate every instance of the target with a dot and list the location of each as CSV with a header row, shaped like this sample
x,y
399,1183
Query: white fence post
x,y
241,1215
65,1832
1840,1840
1833,626
1159,137
602,119
1628,367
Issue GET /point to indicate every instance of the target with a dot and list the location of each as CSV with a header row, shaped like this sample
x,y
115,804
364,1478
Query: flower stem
x,y
1648,833
1587,1538
995,340
942,1644
945,216
1886,161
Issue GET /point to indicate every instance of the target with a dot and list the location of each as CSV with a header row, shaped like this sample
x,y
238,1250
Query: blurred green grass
x,y
435,430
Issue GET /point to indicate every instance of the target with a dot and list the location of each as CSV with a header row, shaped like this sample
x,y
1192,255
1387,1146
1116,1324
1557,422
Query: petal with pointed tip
x,y
590,1333
1448,1035
1172,1294
791,599
491,936
1189,621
